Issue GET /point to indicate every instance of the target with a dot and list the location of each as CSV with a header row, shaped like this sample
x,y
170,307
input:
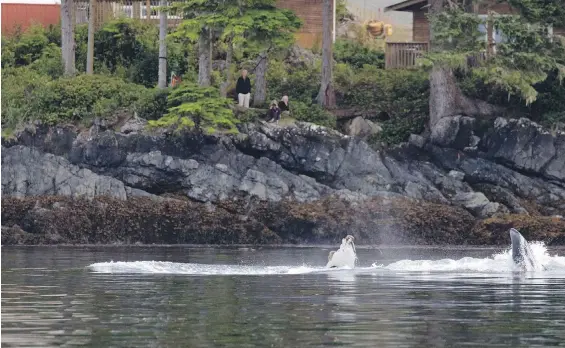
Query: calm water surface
x,y
278,297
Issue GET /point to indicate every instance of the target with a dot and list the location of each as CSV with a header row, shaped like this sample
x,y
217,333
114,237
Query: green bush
x,y
84,96
50,63
152,104
18,90
198,108
312,113
400,97
357,55
299,84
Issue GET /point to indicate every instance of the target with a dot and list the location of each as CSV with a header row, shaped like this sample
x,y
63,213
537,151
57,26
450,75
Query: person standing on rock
x,y
243,89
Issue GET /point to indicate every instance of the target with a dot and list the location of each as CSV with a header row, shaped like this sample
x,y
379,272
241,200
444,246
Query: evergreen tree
x,y
258,25
525,56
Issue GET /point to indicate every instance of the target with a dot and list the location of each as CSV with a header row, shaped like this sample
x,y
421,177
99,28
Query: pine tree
x,y
256,24
528,53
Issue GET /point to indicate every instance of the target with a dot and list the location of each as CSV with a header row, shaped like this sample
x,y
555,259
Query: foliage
x,y
523,59
84,96
249,22
23,48
299,84
312,113
199,108
18,87
341,12
357,54
399,96
398,129
152,104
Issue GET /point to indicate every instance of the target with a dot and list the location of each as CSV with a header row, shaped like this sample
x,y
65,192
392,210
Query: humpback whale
x,y
522,254
345,256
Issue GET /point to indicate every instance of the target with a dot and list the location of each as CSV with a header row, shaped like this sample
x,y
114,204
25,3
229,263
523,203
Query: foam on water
x,y
498,263
159,267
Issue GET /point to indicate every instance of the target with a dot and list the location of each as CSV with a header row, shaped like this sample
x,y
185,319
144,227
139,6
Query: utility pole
x,y
90,48
162,45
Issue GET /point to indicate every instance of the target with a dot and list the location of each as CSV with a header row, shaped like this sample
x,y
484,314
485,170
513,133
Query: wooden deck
x,y
403,55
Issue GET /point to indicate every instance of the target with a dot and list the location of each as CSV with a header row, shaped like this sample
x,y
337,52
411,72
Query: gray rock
x,y
28,172
477,203
456,175
133,125
525,145
298,56
417,140
455,131
360,127
300,163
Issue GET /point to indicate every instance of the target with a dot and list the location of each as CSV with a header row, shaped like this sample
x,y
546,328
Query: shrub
x,y
50,63
312,113
299,84
84,96
357,55
403,96
152,105
18,87
199,108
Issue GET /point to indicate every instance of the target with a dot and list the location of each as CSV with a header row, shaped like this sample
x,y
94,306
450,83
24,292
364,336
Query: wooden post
x,y
162,83
90,48
148,10
68,36
136,9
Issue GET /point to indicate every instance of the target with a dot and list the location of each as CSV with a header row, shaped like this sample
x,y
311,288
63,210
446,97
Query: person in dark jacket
x,y
274,114
243,89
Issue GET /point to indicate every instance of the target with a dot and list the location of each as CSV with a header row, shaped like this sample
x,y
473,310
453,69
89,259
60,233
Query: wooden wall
x,y
310,12
21,16
420,26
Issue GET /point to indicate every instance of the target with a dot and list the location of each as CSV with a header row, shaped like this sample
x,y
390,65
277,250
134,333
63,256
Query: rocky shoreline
x,y
463,183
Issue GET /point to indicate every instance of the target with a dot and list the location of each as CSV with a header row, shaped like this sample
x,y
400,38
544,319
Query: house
x,y
21,14
310,12
404,54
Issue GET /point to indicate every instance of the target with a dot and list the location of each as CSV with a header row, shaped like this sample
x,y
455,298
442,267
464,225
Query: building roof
x,y
407,5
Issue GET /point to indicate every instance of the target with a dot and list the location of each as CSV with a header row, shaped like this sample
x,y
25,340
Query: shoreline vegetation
x,y
107,158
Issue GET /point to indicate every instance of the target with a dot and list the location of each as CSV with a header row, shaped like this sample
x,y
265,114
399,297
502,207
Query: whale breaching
x,y
345,256
522,254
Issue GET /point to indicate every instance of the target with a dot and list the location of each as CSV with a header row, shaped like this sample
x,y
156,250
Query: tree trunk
x,y
229,57
446,98
204,57
326,96
90,48
261,80
68,37
162,46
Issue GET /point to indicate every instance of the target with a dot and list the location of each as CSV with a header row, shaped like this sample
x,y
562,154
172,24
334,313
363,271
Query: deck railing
x,y
403,55
146,10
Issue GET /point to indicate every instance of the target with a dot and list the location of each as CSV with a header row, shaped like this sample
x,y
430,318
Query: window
x,y
496,35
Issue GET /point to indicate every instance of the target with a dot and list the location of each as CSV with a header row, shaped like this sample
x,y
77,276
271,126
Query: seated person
x,y
274,113
283,105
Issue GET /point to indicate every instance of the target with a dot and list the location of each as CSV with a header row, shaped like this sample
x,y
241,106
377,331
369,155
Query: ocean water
x,y
182,296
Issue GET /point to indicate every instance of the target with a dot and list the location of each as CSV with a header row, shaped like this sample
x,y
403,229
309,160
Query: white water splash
x,y
159,267
497,263
346,255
